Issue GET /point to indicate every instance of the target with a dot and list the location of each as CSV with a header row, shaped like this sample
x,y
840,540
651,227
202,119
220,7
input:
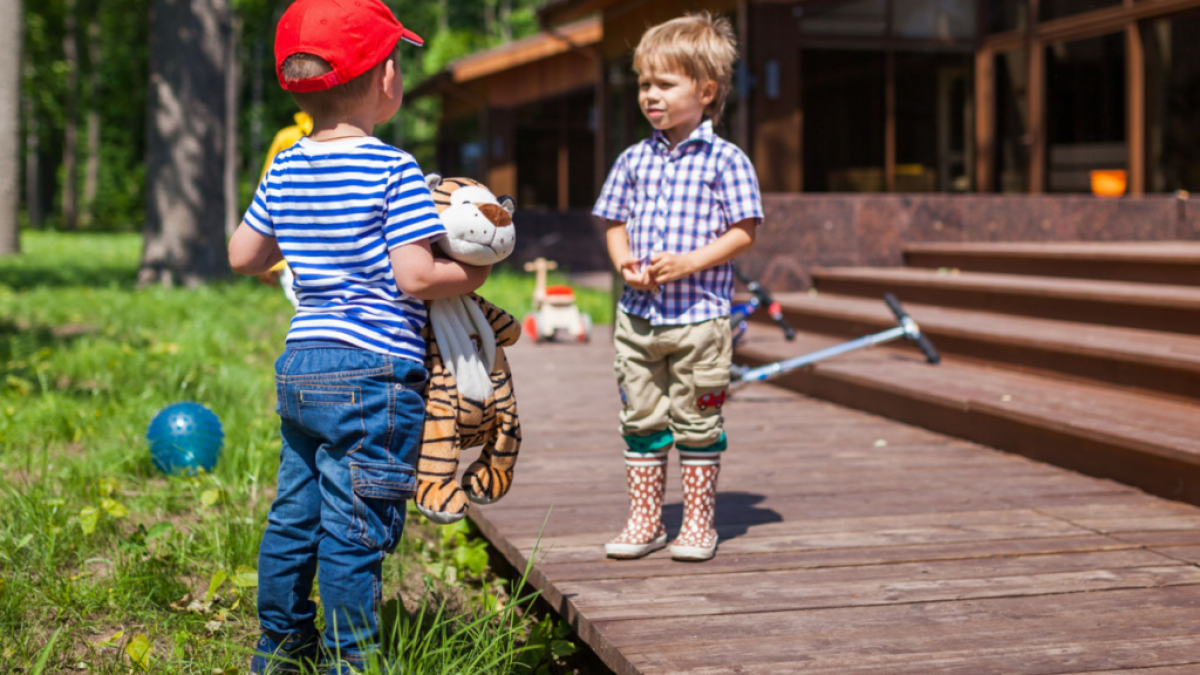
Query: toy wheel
x,y
530,327
585,335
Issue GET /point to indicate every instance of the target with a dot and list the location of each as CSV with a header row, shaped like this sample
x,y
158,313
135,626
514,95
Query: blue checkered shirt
x,y
677,200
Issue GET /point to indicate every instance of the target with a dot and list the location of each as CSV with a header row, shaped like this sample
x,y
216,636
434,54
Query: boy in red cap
x,y
353,218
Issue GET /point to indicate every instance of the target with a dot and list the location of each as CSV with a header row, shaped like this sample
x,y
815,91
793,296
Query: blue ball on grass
x,y
185,438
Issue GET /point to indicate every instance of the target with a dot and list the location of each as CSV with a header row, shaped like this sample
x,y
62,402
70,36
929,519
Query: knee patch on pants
x,y
655,442
719,446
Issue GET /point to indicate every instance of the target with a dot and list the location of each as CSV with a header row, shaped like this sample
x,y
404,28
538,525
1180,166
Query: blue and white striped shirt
x,y
676,200
336,208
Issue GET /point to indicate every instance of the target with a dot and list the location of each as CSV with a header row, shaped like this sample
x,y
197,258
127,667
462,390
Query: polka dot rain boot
x,y
643,533
697,539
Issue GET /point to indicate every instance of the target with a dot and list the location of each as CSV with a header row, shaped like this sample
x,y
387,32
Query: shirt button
x,y
399,387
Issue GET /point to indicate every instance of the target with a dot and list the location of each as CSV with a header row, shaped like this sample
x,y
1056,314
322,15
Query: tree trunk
x,y
185,144
256,107
10,124
506,20
91,170
70,211
232,86
33,179
489,19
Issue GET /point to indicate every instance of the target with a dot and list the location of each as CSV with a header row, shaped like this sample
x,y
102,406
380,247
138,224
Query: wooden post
x,y
602,115
1037,116
564,160
485,141
1135,108
889,130
742,123
985,120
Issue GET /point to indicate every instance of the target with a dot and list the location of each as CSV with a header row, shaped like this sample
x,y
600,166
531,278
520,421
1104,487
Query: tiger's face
x,y
479,227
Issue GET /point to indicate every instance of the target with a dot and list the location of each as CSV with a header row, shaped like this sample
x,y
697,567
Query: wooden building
x,y
1019,96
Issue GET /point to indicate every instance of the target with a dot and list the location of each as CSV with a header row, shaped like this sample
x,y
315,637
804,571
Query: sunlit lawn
x,y
108,566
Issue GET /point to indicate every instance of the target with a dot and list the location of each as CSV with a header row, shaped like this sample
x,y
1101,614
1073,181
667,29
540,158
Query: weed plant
x,y
107,566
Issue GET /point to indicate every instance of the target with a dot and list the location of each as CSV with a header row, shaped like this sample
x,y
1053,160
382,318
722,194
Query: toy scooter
x,y
906,328
760,297
554,310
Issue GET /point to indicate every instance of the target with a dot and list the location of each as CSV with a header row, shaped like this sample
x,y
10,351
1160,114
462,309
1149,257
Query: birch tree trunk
x,y
91,169
10,124
70,210
186,144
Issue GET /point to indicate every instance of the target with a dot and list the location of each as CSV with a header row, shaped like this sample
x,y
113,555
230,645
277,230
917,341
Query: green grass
x,y
107,566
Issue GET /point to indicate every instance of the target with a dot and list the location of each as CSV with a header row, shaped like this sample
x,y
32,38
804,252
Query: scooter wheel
x,y
530,327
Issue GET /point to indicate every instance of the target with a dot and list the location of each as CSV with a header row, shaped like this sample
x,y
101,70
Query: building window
x,y
1007,15
933,123
1172,48
844,114
1057,9
1012,121
1085,110
934,19
853,18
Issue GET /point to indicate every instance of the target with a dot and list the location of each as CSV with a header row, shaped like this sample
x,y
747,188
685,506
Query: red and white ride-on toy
x,y
555,313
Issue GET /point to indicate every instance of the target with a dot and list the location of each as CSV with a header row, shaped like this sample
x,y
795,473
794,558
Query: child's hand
x,y
638,276
666,267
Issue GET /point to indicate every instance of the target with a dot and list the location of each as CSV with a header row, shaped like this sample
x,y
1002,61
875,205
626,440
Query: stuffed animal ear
x,y
433,181
507,203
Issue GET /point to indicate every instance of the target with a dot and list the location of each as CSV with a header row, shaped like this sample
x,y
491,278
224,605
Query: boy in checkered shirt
x,y
680,206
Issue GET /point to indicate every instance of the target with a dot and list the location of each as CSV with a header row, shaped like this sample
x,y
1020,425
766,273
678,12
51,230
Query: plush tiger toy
x,y
462,411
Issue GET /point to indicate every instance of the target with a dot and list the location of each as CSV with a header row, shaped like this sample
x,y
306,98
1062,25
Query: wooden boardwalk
x,y
850,544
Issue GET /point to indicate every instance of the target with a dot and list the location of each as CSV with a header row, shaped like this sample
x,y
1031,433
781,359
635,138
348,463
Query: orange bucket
x,y
1109,183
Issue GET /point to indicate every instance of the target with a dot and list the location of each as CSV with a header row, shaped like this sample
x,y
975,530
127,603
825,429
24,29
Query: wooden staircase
x,y
1082,355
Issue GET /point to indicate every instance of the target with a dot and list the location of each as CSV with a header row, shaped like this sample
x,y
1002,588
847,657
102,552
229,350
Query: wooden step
x,y
1114,303
1146,441
1159,262
1167,363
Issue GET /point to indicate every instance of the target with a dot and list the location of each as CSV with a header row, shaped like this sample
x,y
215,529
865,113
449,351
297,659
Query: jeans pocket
x,y
379,494
333,413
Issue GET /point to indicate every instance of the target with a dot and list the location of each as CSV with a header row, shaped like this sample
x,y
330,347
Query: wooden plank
x,y
822,588
1047,634
588,562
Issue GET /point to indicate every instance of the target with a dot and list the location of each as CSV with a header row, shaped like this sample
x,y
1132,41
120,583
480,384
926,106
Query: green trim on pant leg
x,y
720,446
650,443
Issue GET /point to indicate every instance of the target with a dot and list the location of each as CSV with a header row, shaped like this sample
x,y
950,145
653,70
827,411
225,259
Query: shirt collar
x,y
702,134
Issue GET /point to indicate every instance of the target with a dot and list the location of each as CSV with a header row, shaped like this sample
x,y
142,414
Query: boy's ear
x,y
389,79
708,93
433,181
508,203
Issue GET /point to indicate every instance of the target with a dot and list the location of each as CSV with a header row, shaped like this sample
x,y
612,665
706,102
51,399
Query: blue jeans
x,y
351,430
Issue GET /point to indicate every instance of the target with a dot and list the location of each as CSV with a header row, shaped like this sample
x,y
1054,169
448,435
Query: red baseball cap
x,y
353,36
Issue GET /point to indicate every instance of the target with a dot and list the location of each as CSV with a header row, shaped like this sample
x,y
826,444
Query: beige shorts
x,y
673,381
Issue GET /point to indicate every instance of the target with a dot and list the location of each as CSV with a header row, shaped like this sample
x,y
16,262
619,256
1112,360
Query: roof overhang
x,y
540,47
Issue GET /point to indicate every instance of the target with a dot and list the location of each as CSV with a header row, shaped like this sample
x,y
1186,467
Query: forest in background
x,y
85,74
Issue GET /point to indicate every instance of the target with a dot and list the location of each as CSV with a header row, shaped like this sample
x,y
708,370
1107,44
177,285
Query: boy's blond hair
x,y
332,102
700,45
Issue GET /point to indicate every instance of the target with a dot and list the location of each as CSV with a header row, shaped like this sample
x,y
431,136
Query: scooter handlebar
x,y
920,340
